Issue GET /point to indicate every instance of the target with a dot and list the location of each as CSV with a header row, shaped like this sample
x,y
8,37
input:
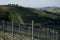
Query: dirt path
x,y
20,19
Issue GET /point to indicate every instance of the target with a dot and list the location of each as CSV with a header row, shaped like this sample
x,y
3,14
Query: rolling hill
x,y
50,9
25,15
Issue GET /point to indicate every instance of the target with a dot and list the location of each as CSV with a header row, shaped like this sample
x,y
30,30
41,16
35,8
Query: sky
x,y
32,3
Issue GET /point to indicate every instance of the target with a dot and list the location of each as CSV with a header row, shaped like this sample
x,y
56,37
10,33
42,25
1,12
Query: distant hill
x,y
24,15
46,8
51,9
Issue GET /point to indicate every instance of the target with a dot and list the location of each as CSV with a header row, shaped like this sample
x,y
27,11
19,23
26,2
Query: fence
x,y
13,31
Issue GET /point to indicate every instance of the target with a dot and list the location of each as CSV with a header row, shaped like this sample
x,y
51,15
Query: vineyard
x,y
21,32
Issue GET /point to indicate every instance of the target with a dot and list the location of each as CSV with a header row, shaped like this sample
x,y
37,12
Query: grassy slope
x,y
44,17
29,14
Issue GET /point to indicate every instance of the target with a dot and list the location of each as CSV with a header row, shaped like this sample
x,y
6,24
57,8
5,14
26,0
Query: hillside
x,y
50,9
24,15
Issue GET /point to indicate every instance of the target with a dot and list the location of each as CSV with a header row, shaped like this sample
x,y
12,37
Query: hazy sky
x,y
32,3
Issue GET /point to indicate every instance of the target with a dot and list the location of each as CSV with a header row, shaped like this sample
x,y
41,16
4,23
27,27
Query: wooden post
x,y
12,31
53,34
56,35
47,33
32,30
3,26
19,28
